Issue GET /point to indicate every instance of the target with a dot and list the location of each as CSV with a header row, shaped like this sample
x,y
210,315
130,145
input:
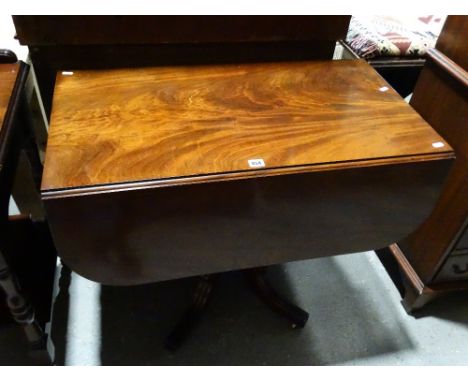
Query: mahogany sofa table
x,y
161,173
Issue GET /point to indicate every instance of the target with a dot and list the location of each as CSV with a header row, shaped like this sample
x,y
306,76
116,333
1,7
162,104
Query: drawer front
x,y
455,268
463,241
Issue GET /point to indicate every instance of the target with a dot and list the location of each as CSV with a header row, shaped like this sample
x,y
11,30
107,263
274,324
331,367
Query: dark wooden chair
x,y
16,135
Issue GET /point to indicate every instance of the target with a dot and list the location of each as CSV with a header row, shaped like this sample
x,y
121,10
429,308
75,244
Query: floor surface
x,y
356,318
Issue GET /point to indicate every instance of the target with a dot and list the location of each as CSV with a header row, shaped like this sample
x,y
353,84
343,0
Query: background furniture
x,y
434,259
26,277
395,46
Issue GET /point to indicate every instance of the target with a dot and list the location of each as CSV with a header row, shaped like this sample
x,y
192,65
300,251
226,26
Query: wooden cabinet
x,y
454,268
432,259
462,243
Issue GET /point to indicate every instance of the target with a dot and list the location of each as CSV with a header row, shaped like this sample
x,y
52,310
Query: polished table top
x,y
167,172
173,123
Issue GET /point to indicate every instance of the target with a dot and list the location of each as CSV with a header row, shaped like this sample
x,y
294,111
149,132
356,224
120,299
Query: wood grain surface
x,y
121,125
8,74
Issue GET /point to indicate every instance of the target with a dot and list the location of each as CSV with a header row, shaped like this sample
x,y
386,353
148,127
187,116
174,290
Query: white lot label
x,y
255,163
438,145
